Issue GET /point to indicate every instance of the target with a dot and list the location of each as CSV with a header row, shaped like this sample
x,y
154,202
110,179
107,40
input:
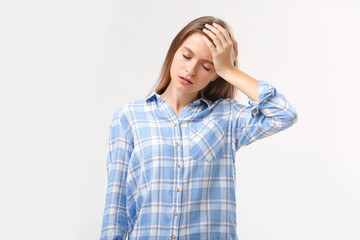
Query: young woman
x,y
171,159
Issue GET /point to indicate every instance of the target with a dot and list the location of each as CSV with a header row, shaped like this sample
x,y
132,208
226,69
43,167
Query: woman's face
x,y
193,61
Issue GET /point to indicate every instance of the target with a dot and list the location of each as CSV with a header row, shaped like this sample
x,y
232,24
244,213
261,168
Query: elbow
x,y
285,120
292,116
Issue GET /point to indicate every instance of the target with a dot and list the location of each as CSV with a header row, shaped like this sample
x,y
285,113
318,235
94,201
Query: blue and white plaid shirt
x,y
173,177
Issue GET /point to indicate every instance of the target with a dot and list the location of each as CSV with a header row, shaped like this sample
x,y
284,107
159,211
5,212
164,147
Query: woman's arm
x,y
245,83
269,111
120,147
272,113
224,53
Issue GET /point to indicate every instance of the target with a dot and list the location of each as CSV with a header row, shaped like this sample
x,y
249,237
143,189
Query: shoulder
x,y
226,101
121,120
122,110
129,110
227,105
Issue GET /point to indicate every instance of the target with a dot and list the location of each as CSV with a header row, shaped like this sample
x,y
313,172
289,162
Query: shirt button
x,y
189,108
198,101
175,124
173,236
178,165
177,189
177,144
255,111
176,213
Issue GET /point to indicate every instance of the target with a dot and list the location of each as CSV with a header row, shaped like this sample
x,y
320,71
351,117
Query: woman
x,y
171,160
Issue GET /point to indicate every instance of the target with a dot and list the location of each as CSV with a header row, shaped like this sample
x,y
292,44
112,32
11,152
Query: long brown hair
x,y
219,88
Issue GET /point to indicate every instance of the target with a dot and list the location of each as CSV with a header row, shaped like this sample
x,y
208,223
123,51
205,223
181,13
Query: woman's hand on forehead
x,y
225,50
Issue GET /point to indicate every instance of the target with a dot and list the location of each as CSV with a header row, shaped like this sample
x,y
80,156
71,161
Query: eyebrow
x,y
205,60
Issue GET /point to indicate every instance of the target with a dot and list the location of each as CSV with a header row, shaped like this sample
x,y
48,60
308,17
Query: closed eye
x,y
207,69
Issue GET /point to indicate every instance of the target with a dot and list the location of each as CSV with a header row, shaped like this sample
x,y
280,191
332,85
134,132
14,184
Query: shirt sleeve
x,y
271,114
120,147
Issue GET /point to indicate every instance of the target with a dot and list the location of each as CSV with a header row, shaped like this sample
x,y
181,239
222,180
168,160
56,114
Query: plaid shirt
x,y
173,177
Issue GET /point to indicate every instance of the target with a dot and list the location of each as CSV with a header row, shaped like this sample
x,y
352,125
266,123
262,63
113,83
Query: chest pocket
x,y
207,139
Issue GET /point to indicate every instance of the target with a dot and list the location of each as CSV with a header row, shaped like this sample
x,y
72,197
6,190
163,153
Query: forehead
x,y
197,44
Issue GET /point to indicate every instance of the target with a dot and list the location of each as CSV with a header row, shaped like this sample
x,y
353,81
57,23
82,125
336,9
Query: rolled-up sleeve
x,y
120,147
271,114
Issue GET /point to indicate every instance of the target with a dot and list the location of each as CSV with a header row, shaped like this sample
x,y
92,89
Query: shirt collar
x,y
155,96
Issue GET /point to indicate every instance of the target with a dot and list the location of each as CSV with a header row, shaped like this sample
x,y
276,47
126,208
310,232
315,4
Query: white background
x,y
65,67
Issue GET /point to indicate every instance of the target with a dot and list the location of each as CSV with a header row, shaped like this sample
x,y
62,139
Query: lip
x,y
186,79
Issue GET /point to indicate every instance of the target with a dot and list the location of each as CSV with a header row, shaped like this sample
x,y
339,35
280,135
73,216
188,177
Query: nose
x,y
191,68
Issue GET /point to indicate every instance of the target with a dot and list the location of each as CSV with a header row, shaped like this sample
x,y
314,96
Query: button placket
x,y
177,165
177,182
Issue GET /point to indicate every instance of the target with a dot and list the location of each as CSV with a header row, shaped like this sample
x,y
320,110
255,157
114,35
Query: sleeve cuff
x,y
266,90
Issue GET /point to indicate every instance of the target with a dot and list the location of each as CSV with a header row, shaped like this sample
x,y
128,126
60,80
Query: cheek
x,y
209,76
176,62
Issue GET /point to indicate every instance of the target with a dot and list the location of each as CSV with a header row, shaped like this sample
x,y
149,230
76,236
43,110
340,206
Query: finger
x,y
235,45
213,37
225,34
209,44
217,33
